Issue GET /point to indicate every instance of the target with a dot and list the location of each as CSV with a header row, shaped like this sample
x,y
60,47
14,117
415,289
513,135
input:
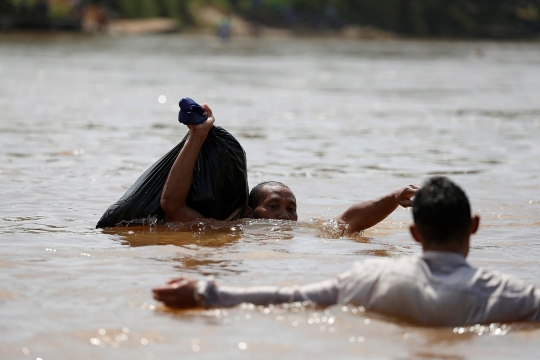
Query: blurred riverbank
x,y
206,22
461,19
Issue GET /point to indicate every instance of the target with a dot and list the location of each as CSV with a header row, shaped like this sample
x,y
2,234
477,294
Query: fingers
x,y
207,109
171,301
164,293
405,194
177,293
406,203
410,190
204,127
161,294
176,280
168,295
164,290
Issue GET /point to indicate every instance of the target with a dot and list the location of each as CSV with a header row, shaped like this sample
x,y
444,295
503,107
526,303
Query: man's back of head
x,y
441,211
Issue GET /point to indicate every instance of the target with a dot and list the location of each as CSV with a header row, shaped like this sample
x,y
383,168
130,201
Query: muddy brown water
x,y
338,121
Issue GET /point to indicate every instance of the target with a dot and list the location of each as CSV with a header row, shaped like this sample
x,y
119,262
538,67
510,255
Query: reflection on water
x,y
212,233
337,121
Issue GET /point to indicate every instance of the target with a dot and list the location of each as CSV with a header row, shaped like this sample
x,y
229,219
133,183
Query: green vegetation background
x,y
448,18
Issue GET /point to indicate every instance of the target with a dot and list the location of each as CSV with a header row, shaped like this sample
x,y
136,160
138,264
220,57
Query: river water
x,y
338,121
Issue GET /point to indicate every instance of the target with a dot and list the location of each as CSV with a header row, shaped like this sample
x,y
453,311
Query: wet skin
x,y
277,203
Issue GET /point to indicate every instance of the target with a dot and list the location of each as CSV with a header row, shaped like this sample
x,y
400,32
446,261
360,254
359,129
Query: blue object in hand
x,y
191,113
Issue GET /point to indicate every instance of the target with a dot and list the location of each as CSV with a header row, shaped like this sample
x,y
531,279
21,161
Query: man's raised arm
x,y
176,188
366,214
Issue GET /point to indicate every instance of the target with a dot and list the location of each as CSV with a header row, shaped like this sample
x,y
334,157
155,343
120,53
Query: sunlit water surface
x,y
338,121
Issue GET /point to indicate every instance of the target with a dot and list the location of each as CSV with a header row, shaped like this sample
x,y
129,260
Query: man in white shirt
x,y
437,287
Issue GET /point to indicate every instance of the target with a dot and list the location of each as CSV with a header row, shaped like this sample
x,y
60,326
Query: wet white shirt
x,y
434,288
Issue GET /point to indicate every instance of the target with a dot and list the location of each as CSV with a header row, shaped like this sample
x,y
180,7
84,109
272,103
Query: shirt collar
x,y
444,256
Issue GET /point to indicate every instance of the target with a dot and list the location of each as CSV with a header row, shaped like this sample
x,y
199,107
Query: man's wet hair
x,y
256,194
441,210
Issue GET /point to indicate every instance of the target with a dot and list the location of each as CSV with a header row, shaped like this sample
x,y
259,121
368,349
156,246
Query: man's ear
x,y
248,212
475,224
415,234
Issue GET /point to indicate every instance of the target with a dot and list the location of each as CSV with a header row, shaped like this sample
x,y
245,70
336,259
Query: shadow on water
x,y
201,233
206,233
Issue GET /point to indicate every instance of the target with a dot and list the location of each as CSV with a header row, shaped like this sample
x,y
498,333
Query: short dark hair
x,y
441,210
256,194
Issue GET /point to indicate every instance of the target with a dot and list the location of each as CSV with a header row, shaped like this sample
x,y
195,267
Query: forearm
x,y
366,214
212,295
178,183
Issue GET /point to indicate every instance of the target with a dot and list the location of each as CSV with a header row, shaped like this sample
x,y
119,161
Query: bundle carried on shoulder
x,y
219,186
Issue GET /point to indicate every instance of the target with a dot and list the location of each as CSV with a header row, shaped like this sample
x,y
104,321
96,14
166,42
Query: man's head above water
x,y
272,200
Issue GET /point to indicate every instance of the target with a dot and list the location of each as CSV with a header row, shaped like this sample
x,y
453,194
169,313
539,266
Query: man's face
x,y
277,202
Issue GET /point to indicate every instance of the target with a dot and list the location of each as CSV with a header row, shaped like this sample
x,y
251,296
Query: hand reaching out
x,y
403,196
179,293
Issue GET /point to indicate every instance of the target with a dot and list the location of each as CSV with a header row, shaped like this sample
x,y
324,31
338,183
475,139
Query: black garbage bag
x,y
219,187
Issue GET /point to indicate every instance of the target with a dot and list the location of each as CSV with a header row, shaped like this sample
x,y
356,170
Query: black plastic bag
x,y
219,187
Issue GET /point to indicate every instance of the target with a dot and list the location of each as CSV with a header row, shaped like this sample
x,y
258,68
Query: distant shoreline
x,y
207,20
268,34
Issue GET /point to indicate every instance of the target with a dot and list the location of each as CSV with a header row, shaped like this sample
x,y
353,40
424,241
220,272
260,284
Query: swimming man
x,y
269,200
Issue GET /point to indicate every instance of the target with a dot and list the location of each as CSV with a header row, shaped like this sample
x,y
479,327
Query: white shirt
x,y
434,288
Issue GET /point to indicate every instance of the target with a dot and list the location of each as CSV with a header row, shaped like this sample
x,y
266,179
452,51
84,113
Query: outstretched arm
x,y
184,293
366,214
176,188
